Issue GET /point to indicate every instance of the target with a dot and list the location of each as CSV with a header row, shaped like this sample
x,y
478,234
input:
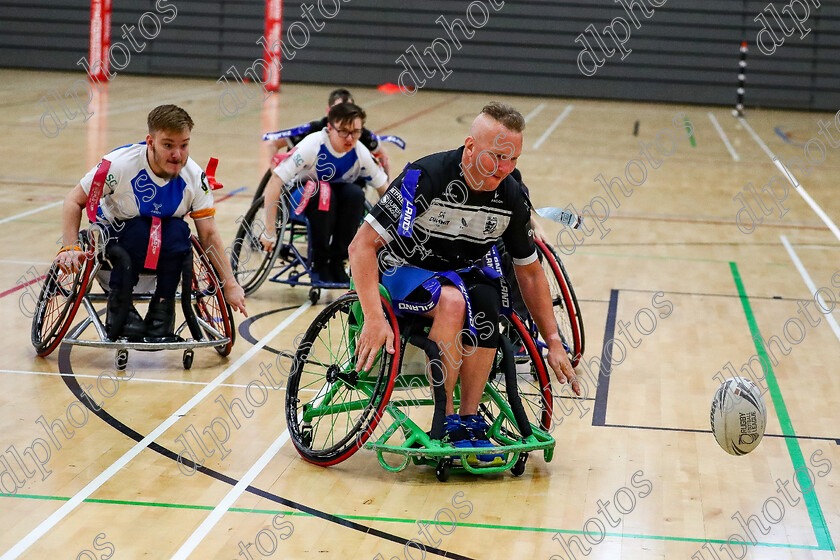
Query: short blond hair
x,y
168,117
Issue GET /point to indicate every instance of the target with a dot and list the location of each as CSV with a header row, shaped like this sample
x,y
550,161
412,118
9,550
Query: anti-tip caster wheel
x,y
121,360
442,470
518,468
188,358
314,295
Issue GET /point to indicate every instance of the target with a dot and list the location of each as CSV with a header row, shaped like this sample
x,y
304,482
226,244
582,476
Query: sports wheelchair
x,y
290,261
332,410
207,316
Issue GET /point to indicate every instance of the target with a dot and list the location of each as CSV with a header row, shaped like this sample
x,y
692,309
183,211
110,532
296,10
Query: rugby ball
x,y
738,416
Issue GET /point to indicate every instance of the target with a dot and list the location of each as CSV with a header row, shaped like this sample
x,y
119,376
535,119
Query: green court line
x,y
407,521
811,501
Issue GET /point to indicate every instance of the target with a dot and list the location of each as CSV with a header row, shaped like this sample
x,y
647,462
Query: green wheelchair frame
x,y
347,406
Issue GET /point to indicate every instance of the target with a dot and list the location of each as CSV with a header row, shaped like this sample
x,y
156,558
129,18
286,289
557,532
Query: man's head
x,y
168,140
337,96
345,126
493,146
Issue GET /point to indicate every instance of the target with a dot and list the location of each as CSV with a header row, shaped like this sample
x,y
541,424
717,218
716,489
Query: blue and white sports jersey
x,y
315,159
132,189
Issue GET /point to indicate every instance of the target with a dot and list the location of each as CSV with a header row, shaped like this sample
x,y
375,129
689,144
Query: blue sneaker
x,y
456,434
477,427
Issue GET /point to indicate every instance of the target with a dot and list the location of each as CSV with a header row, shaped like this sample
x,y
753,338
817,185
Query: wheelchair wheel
x,y
209,302
251,264
263,183
60,298
331,410
532,382
566,307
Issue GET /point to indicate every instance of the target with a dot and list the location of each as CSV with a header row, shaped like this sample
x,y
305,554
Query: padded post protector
x,y
509,369
438,390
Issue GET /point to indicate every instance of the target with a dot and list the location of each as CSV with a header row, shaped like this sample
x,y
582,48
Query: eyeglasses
x,y
348,133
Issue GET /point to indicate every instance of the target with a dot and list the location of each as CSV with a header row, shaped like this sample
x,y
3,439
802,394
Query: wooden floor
x,y
641,440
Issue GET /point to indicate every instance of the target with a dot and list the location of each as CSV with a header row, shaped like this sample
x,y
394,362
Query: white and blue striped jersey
x,y
315,159
132,189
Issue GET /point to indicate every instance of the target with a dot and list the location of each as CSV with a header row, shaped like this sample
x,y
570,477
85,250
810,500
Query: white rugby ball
x,y
738,416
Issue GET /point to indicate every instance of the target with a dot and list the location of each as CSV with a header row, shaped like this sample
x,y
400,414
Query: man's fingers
x,y
389,343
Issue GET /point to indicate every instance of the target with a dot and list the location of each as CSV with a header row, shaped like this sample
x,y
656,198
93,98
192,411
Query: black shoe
x,y
321,274
131,326
338,273
160,319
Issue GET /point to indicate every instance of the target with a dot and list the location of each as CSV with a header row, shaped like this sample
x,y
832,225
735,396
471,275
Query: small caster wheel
x,y
442,470
314,295
121,360
188,358
518,468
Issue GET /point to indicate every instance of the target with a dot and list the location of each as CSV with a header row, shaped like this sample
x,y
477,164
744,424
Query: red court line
x,y
21,286
415,115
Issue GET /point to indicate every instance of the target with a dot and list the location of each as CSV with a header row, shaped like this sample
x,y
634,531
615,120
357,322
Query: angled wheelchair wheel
x,y
533,385
209,302
59,300
251,263
263,182
566,307
331,410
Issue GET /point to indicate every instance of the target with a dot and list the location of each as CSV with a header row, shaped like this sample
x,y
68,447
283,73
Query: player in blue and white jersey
x,y
320,175
152,184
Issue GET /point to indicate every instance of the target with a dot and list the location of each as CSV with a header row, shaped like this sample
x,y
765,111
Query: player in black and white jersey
x,y
430,232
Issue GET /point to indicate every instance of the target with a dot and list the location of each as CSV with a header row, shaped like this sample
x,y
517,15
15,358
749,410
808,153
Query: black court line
x,y
599,414
704,294
72,383
245,327
696,431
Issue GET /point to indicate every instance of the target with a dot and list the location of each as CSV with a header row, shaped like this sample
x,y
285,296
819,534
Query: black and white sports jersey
x,y
443,224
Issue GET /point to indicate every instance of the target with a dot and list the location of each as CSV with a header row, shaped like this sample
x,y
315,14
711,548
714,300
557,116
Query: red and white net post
x,y
100,39
273,29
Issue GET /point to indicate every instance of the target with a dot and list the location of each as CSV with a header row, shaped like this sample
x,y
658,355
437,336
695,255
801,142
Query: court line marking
x,y
140,379
417,114
723,137
602,391
28,212
216,515
397,520
39,531
534,112
810,284
554,125
812,503
789,176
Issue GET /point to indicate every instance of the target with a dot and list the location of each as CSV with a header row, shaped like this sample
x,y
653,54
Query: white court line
x,y
554,125
28,212
723,137
811,286
799,188
139,379
210,521
535,112
13,261
106,475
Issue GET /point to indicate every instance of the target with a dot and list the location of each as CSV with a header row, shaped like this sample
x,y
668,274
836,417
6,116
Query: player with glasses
x,y
320,177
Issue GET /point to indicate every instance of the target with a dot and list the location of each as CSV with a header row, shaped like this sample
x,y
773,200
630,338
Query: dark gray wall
x,y
687,51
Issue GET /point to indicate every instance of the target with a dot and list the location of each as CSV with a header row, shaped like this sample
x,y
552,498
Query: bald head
x,y
493,146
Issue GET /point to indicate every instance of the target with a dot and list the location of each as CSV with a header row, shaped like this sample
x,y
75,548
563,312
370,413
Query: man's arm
x,y
375,331
211,242
537,296
271,200
71,218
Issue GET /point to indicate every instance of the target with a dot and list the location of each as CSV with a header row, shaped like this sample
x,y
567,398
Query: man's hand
x,y
559,362
374,334
235,296
70,261
539,231
382,159
267,243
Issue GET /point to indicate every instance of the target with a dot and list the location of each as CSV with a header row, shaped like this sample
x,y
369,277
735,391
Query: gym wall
x,y
685,51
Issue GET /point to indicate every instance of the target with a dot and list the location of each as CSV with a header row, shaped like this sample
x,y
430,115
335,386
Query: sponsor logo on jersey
x,y
505,297
491,224
298,159
416,307
440,219
204,186
405,224
157,207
